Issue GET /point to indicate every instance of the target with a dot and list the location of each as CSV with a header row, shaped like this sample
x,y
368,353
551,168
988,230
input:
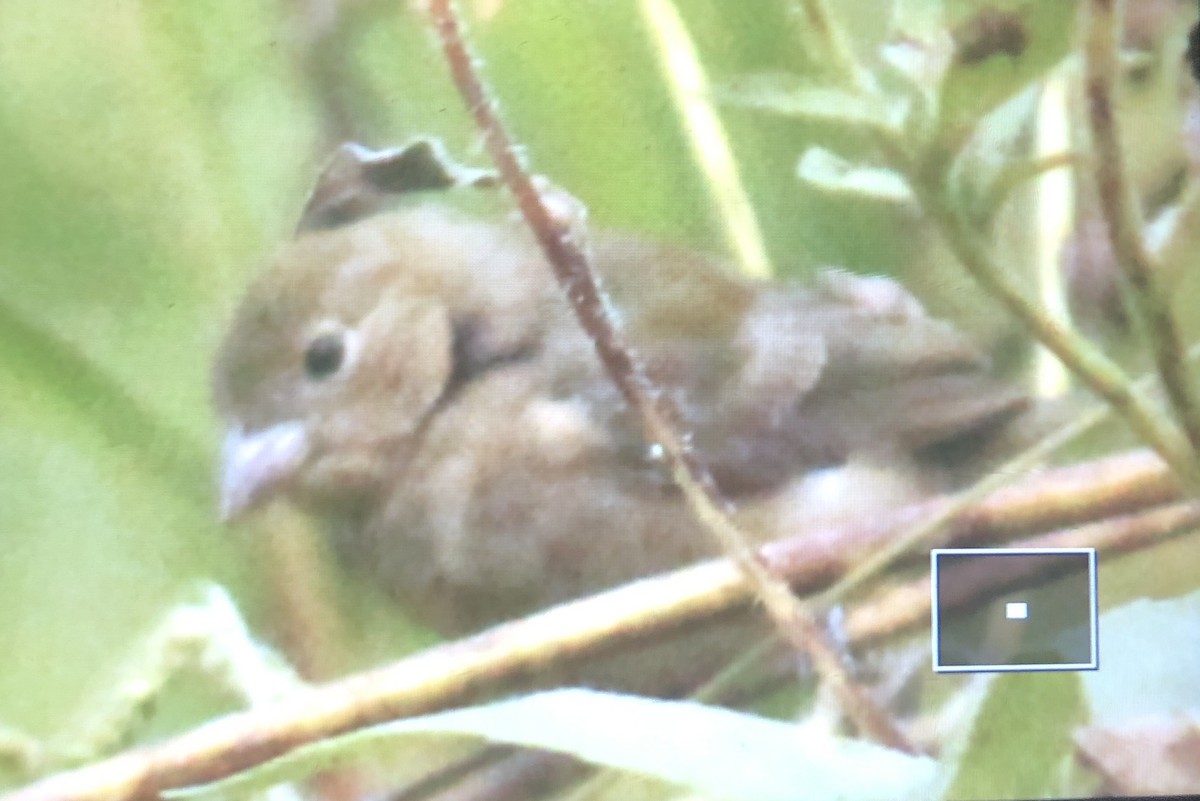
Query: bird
x,y
415,381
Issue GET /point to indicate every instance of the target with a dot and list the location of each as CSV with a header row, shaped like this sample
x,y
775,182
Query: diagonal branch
x,y
927,175
1147,293
565,252
1134,488
1085,360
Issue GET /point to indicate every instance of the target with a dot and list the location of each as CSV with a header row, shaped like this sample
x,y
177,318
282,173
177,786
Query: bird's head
x,y
335,357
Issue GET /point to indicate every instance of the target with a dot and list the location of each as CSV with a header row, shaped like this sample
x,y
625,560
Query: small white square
x,y
1016,610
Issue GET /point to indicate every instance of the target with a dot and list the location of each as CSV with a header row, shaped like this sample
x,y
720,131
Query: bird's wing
x,y
774,380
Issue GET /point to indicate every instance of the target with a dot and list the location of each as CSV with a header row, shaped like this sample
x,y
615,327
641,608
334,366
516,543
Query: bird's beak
x,y
253,464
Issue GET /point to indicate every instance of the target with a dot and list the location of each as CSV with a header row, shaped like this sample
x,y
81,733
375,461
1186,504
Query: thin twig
x,y
896,609
654,408
1022,172
692,94
933,525
929,526
1173,254
820,20
927,176
455,673
1123,219
1086,361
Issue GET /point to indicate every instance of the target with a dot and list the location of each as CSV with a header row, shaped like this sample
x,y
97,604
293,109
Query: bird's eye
x,y
324,355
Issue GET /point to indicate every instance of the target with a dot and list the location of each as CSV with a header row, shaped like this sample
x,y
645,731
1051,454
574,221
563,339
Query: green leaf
x,y
999,49
831,173
995,163
1007,754
713,751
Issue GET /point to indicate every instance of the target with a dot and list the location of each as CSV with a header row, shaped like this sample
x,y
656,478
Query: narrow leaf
x,y
717,752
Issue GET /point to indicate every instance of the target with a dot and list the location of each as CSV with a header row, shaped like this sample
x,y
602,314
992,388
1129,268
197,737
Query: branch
x,y
1123,220
1133,485
928,527
1087,362
899,608
927,176
565,253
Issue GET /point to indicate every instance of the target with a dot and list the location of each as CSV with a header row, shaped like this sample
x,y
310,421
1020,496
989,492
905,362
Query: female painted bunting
x,y
416,381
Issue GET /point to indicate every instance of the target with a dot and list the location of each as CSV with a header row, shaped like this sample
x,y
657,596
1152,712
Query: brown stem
x,y
1085,360
572,269
1123,220
1130,484
896,609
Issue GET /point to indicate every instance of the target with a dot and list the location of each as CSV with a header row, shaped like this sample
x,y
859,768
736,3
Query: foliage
x,y
154,154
